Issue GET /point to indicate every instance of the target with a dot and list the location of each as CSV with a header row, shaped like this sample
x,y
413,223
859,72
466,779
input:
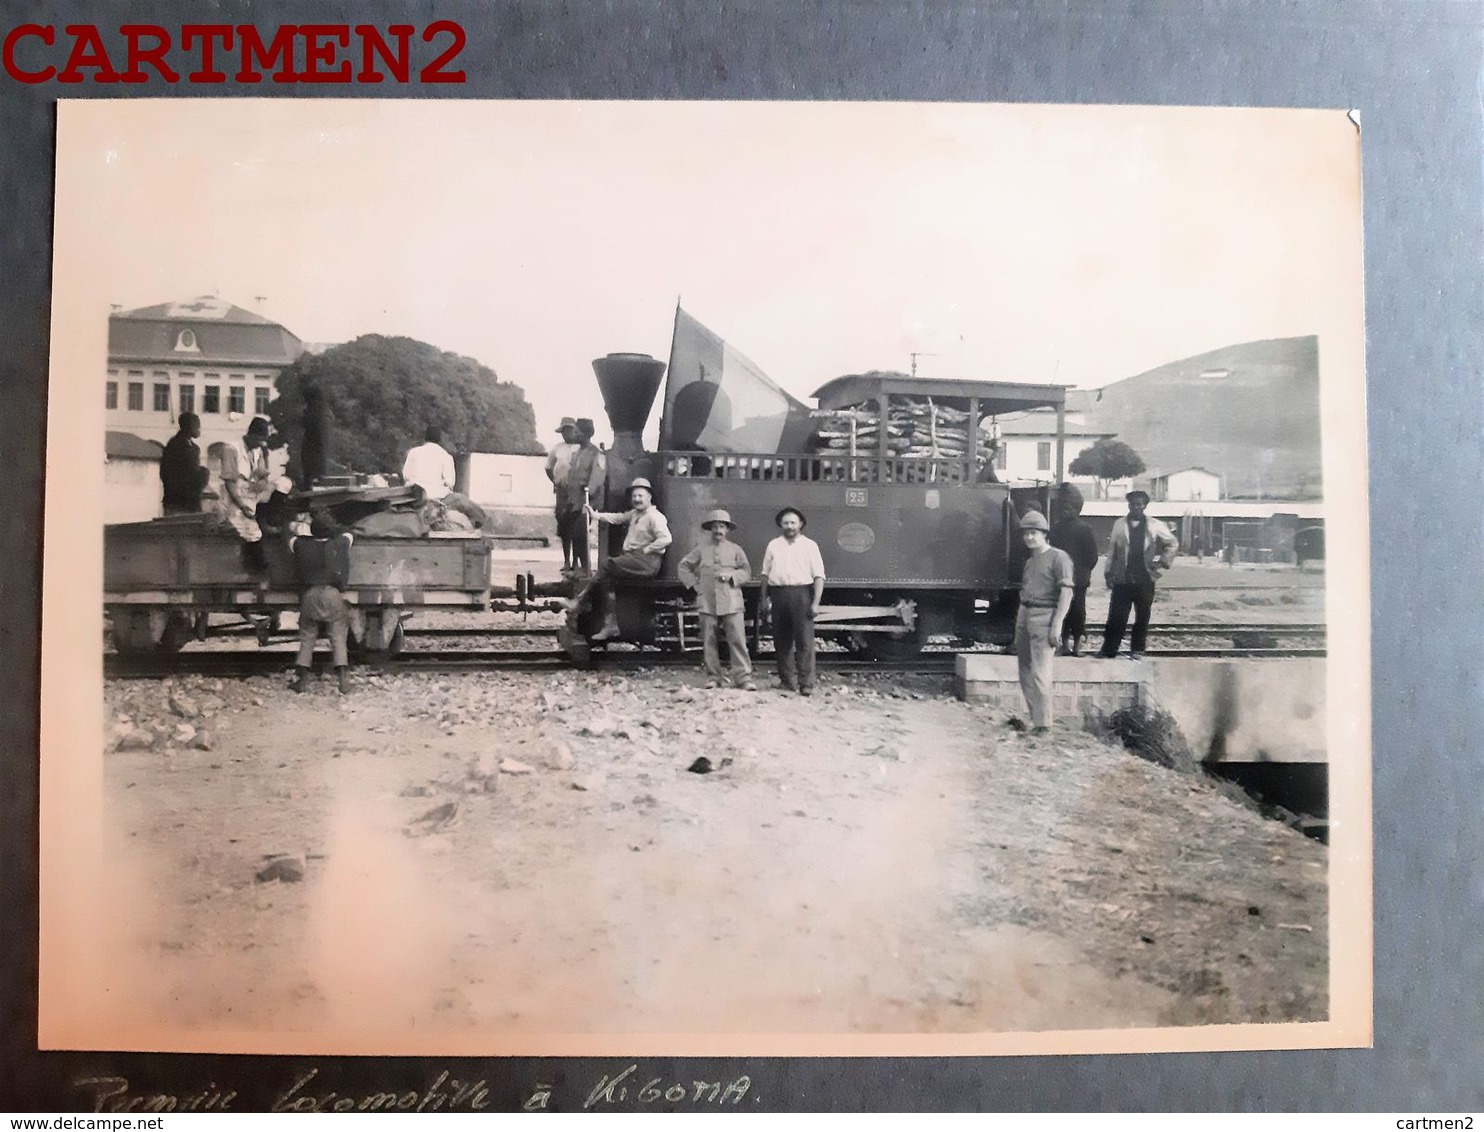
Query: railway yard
x,y
483,839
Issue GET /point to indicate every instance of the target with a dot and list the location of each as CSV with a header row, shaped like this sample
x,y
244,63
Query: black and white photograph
x,y
719,578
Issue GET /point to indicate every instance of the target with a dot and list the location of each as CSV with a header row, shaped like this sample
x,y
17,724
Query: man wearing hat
x,y
584,482
558,468
1140,550
1045,596
793,574
246,481
717,570
643,550
322,562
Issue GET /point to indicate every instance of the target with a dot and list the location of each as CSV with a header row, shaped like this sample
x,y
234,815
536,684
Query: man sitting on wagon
x,y
643,551
430,467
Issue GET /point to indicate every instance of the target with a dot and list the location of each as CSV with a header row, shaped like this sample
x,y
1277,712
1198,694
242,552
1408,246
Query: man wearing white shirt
x,y
793,584
430,467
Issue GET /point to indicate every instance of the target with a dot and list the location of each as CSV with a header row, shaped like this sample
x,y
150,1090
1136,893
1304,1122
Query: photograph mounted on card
x,y
705,578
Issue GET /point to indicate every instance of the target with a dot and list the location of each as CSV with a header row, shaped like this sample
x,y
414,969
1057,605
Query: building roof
x,y
127,446
204,330
994,396
1178,471
1044,424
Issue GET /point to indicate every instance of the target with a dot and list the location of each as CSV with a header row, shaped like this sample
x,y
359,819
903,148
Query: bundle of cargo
x,y
916,427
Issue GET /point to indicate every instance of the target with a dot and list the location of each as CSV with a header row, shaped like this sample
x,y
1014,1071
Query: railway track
x,y
236,664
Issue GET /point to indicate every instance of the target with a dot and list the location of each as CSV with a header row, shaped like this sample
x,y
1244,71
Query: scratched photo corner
x,y
716,578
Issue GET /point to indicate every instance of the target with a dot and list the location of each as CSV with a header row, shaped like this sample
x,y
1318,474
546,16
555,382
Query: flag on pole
x,y
717,400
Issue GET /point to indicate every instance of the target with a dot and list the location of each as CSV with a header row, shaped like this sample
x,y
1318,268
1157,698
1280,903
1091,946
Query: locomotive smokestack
x,y
629,383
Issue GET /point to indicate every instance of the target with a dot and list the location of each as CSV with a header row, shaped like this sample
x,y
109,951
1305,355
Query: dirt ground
x,y
529,853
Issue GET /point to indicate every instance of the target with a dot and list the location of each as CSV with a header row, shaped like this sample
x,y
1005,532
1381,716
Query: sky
x,y
1070,245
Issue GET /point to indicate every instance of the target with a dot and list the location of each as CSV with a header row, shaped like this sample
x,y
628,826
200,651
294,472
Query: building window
x,y
211,399
136,396
186,340
1043,455
187,398
162,398
236,399
111,398
260,398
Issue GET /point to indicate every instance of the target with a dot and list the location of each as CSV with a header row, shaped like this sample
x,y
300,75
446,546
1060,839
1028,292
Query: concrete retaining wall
x,y
1266,710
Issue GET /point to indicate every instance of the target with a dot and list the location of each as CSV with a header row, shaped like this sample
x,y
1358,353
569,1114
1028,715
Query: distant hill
x,y
1248,412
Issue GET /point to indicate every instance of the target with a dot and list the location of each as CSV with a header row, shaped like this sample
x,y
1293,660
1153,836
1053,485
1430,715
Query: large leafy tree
x,y
379,394
1108,460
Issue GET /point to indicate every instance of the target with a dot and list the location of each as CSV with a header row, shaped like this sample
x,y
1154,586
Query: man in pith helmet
x,y
717,570
643,551
1045,596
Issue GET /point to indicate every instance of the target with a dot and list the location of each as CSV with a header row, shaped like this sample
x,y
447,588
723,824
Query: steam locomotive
x,y
919,540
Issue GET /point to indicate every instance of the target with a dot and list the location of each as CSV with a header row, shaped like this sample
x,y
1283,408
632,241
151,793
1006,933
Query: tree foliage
x,y
381,393
1107,460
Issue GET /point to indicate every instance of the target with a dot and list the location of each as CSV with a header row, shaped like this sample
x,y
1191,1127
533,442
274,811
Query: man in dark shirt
x,y
322,562
1073,534
181,473
1140,550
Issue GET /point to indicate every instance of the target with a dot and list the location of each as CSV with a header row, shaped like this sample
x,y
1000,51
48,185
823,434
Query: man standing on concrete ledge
x,y
1139,551
793,571
1045,596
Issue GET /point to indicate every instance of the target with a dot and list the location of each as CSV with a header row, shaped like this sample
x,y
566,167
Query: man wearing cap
x,y
1140,549
717,570
558,467
643,550
322,562
793,585
1045,596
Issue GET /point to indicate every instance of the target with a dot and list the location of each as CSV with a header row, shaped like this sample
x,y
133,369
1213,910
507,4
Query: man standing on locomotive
x,y
717,570
1045,596
558,468
1073,534
584,483
794,570
643,550
1139,551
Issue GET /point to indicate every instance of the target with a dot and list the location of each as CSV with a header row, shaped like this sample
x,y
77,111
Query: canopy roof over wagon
x,y
994,397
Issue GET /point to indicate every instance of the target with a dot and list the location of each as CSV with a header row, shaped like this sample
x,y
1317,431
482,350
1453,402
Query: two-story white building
x,y
204,356
1027,450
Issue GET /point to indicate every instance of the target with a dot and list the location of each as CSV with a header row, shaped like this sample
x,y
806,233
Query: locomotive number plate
x,y
856,497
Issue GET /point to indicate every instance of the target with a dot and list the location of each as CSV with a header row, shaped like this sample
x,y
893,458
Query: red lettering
x,y
42,32
139,54
207,35
434,72
87,51
372,45
317,52
282,49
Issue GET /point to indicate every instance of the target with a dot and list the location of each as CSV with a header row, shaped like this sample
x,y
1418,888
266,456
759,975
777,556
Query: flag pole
x,y
669,369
